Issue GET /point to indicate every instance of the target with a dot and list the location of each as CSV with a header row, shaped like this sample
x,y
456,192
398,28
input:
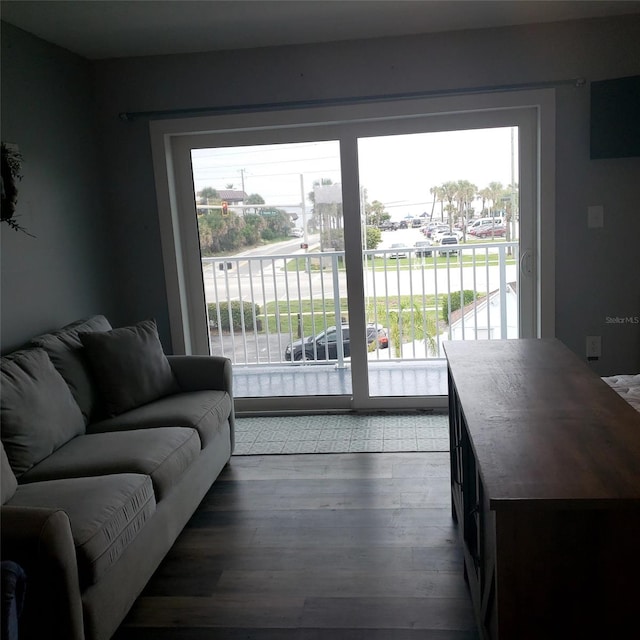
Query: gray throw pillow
x,y
67,354
129,366
8,479
37,411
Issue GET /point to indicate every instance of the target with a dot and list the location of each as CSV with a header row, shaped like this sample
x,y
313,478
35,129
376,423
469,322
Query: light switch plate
x,y
595,216
594,347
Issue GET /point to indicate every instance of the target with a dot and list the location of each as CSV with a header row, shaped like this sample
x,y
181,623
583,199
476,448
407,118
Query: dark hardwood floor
x,y
314,547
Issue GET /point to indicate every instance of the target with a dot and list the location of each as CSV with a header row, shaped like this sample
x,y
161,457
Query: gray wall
x,y
61,274
596,269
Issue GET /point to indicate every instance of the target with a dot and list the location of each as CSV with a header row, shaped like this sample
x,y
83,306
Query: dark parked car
x,y
324,346
423,249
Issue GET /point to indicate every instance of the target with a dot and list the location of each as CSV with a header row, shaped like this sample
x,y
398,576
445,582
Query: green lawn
x,y
283,317
435,261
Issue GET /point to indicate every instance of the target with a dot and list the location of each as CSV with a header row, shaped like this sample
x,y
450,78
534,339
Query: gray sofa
x,y
108,447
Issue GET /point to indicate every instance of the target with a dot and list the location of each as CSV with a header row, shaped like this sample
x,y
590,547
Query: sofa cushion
x,y
206,411
37,411
105,512
162,453
130,369
8,478
67,354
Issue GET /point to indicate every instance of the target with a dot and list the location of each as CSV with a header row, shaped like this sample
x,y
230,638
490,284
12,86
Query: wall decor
x,y
11,174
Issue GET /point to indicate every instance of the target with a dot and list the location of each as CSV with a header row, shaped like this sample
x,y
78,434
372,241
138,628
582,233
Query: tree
x,y
208,195
375,213
408,322
254,225
449,191
327,217
438,196
485,194
254,198
495,193
465,194
512,207
373,236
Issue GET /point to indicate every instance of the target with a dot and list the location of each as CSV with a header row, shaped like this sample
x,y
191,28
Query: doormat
x,y
342,433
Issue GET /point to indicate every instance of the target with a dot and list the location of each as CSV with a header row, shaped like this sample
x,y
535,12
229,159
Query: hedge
x,y
453,303
238,310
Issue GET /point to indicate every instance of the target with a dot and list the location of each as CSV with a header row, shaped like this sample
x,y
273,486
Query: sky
x,y
395,170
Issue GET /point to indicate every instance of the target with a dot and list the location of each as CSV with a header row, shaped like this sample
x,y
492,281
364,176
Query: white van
x,y
482,222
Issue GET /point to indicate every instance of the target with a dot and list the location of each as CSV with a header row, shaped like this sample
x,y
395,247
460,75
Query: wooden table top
x,y
544,427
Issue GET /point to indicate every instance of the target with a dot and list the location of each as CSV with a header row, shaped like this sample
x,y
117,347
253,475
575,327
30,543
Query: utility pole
x,y
242,178
303,207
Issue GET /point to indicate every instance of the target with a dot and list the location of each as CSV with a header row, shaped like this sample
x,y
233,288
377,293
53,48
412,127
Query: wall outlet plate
x,y
594,347
595,216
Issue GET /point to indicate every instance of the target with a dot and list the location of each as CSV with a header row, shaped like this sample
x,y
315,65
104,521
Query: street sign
x,y
304,245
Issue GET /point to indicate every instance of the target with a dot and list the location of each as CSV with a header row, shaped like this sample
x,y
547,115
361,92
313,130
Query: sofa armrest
x,y
199,373
41,542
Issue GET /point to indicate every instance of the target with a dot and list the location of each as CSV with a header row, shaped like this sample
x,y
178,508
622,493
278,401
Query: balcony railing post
x,y
295,301
336,308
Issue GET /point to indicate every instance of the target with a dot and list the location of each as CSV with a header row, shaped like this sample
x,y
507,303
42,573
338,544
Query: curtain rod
x,y
129,116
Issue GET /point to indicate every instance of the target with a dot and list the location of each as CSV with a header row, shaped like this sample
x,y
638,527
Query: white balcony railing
x,y
259,304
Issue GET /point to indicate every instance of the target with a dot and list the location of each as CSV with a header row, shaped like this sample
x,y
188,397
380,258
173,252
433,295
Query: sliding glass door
x,y
331,260
440,253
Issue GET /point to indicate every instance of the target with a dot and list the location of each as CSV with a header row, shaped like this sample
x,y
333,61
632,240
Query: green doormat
x,y
342,433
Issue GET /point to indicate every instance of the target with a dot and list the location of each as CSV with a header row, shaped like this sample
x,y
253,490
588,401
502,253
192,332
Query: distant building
x,y
232,196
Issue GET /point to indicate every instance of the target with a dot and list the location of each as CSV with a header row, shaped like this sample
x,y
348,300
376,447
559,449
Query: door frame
x,y
172,140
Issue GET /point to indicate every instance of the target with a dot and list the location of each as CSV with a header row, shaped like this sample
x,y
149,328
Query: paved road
x,y
268,280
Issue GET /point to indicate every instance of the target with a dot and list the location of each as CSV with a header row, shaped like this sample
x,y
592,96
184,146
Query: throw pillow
x,y
129,366
37,411
67,354
8,478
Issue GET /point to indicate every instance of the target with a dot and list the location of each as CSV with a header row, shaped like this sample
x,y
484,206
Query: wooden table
x,y
545,484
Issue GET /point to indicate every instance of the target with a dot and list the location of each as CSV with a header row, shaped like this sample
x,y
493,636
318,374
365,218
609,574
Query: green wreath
x,y
11,171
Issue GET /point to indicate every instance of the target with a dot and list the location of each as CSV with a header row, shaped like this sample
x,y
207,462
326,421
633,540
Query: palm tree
x,y
511,209
409,322
485,194
465,194
436,192
496,191
328,218
448,192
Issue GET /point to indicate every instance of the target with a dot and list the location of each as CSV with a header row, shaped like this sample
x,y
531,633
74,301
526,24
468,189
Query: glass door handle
x,y
526,263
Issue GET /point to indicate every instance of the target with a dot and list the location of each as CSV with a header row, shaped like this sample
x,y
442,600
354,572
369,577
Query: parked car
x,y
437,237
479,223
433,231
448,238
324,346
491,232
296,232
400,250
423,249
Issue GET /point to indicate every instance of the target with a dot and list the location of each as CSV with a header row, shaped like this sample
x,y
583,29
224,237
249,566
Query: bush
x,y
238,311
373,237
453,302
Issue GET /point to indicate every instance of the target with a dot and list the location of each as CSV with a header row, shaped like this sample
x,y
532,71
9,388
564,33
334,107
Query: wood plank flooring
x,y
314,547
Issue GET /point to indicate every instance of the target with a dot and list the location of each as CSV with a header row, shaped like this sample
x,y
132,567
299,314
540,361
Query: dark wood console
x,y
545,487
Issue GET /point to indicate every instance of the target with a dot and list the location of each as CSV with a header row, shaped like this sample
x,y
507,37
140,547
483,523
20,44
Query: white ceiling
x,y
101,29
